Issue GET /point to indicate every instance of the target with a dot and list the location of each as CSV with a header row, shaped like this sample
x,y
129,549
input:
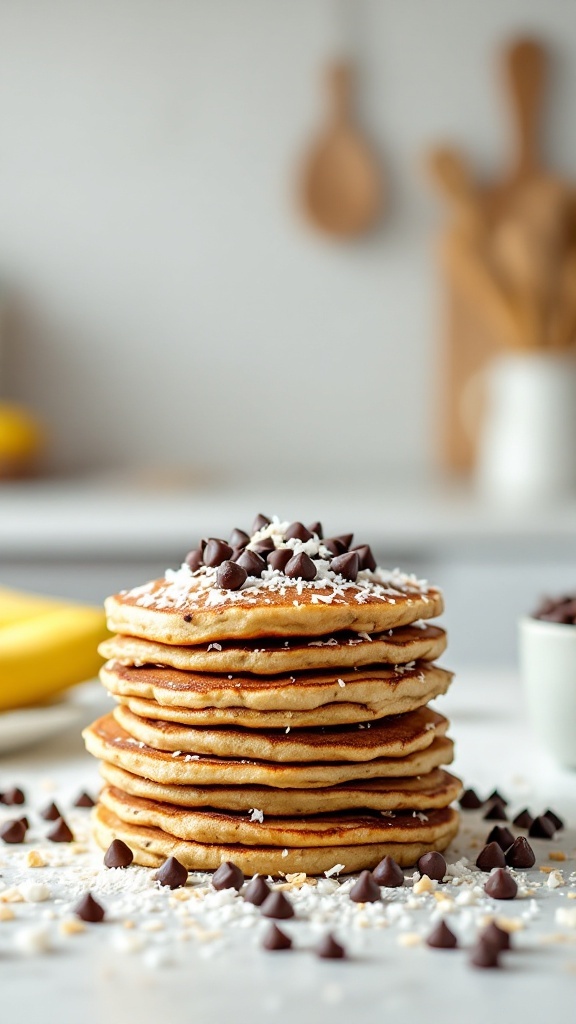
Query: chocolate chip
x,y
367,560
194,559
230,576
388,873
276,939
335,546
441,937
88,909
299,531
118,855
556,821
433,865
365,890
346,565
238,539
13,831
485,954
13,796
541,828
50,813
172,873
495,936
60,833
25,822
345,539
495,795
500,835
501,885
279,558
264,547
329,949
187,617
492,856
216,552
520,854
470,801
260,522
253,564
300,567
84,800
316,528
228,876
524,819
276,905
256,891
496,812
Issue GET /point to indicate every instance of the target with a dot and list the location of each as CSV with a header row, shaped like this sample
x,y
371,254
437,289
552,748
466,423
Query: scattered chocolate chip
x,y
216,552
13,796
13,831
485,954
88,909
299,531
276,905
556,821
433,865
501,835
253,563
276,939
316,528
501,885
238,539
25,822
470,801
520,854
300,567
60,833
524,819
496,812
264,547
260,522
367,560
541,828
388,873
256,891
118,855
230,576
172,873
335,546
194,559
228,876
187,617
84,800
279,558
345,539
365,890
492,856
329,949
495,795
346,565
441,937
50,813
495,936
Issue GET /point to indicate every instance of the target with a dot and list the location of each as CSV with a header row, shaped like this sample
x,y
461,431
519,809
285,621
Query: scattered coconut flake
x,y
256,815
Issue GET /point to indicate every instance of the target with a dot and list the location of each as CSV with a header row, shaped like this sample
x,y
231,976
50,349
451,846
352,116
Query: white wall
x,y
173,306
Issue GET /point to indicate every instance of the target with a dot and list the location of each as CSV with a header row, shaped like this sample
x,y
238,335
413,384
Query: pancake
x,y
395,690
105,739
273,655
151,847
351,828
435,789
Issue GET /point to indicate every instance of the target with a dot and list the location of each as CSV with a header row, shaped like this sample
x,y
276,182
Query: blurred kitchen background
x,y
226,291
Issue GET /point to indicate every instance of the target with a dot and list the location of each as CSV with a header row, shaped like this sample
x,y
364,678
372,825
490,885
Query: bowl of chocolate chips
x,y
548,669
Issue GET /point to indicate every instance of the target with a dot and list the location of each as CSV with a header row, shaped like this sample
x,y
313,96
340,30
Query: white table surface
x,y
92,978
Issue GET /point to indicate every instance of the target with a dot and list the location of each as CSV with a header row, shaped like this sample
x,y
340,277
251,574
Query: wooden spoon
x,y
341,188
525,64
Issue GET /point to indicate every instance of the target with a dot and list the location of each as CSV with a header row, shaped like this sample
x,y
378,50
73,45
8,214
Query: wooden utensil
x,y
525,66
451,173
342,188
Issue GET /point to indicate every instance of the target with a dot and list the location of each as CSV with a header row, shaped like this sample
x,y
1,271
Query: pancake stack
x,y
272,710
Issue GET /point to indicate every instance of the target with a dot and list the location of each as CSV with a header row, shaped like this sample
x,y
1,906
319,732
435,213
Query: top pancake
x,y
186,607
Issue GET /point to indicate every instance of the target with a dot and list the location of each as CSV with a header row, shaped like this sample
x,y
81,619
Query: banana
x,y
42,654
18,605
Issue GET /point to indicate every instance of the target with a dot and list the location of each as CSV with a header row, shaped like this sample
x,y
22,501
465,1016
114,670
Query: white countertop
x,y
90,979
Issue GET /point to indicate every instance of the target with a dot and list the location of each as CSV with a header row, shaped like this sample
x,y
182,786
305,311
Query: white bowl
x,y
548,669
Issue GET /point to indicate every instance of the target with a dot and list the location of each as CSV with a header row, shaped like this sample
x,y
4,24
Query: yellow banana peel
x,y
51,646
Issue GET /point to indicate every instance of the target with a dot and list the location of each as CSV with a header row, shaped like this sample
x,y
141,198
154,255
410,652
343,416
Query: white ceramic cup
x,y
548,668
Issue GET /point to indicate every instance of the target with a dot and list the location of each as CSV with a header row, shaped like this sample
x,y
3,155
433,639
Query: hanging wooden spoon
x,y
341,188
